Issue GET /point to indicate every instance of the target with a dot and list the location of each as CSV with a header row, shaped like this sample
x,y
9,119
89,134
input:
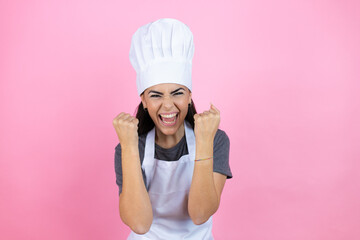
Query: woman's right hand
x,y
126,127
134,202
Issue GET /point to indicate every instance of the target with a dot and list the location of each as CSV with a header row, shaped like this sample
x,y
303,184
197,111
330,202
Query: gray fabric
x,y
221,155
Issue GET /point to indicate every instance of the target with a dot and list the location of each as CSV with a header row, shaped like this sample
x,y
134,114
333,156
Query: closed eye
x,y
178,93
155,96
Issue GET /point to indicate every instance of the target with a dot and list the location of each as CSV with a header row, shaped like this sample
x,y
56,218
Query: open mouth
x,y
169,119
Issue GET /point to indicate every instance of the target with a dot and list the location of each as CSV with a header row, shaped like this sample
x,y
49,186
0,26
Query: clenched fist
x,y
126,127
206,124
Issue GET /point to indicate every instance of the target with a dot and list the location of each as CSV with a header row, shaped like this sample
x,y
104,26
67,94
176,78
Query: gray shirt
x,y
220,162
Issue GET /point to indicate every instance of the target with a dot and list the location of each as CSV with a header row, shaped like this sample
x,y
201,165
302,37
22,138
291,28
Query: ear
x,y
190,98
143,100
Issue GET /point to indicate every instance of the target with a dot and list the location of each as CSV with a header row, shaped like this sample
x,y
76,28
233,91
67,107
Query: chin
x,y
169,132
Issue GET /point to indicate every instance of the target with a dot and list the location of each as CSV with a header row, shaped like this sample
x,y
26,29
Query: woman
x,y
171,163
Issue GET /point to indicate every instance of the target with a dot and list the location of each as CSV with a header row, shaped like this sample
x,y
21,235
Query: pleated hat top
x,y
162,52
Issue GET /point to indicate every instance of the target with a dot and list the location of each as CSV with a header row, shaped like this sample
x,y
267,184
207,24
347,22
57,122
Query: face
x,y
167,105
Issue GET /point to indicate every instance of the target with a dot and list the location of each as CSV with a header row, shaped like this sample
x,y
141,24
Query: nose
x,y
168,102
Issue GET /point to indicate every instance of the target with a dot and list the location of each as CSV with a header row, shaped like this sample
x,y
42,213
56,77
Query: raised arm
x,y
206,186
134,201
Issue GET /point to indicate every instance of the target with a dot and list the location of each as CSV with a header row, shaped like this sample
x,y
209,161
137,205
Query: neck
x,y
169,141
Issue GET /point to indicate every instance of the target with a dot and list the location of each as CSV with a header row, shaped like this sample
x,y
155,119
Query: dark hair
x,y
146,123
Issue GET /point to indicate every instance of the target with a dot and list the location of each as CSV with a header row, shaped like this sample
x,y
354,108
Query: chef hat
x,y
162,52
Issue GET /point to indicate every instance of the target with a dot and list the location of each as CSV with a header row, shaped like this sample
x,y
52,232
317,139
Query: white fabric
x,y
162,52
169,184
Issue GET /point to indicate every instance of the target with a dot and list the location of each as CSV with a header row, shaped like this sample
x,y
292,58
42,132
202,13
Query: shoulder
x,y
221,137
221,153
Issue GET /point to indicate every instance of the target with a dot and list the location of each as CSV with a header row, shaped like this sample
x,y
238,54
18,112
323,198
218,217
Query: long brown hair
x,y
146,123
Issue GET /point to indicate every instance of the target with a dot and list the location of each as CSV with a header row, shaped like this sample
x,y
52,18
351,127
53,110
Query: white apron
x,y
169,184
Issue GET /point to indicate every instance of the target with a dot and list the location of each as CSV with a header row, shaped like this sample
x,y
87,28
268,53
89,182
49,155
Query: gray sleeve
x,y
118,166
221,154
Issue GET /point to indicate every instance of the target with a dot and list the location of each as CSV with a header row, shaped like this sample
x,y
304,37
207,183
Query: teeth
x,y
169,122
165,117
168,116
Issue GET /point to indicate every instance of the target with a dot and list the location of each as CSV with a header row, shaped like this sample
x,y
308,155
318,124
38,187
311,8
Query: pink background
x,y
284,74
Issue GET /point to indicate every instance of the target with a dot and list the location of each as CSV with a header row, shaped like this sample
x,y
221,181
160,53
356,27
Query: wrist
x,y
129,147
204,149
208,137
204,143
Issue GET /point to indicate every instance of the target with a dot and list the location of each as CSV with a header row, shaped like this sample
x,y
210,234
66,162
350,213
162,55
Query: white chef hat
x,y
162,52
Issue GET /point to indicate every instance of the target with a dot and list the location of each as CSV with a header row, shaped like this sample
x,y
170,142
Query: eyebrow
x,y
152,91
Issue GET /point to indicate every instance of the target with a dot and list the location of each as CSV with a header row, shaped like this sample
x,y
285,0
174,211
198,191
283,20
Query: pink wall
x,y
284,74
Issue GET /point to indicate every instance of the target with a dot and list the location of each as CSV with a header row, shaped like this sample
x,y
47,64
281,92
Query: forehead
x,y
165,87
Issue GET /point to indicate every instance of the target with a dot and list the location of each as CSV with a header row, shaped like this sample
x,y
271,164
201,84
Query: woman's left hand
x,y
206,124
